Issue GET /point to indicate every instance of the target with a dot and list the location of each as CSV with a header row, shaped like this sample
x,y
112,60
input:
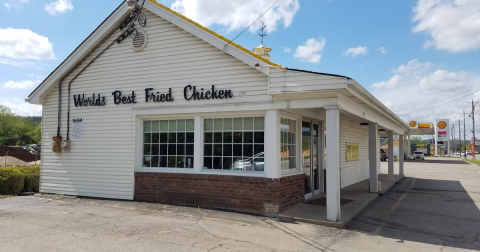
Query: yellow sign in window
x,y
353,153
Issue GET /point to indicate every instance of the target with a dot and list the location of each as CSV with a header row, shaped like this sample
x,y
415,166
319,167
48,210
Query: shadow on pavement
x,y
439,212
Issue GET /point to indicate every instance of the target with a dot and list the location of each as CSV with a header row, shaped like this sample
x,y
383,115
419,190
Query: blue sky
x,y
430,52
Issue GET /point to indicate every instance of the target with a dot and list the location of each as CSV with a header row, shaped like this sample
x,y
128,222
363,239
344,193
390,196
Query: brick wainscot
x,y
248,194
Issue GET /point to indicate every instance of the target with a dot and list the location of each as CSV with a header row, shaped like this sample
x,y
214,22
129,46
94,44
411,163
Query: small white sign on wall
x,y
77,129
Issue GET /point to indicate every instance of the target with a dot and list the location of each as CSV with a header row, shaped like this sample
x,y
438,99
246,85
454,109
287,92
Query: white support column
x,y
402,153
272,144
322,156
391,176
373,150
409,148
333,162
197,144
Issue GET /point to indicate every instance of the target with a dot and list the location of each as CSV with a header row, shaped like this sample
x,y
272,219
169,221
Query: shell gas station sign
x,y
420,125
442,130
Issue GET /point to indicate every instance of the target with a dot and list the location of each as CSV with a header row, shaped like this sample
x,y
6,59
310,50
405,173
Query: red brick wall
x,y
220,191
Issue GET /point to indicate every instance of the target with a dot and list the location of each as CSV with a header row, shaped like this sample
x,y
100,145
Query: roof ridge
x,y
215,34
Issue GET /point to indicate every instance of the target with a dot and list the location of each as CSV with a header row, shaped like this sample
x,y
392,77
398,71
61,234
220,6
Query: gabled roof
x,y
111,23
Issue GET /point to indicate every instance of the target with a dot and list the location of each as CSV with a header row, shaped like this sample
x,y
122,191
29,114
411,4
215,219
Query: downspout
x,y
71,81
133,17
69,84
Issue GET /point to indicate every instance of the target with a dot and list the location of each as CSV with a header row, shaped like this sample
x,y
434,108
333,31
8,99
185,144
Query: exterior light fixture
x,y
381,130
363,124
131,4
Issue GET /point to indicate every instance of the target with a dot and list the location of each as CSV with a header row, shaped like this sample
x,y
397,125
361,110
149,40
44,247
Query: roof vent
x,y
141,42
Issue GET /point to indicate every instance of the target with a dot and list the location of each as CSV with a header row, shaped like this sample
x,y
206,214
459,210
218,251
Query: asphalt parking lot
x,y
436,208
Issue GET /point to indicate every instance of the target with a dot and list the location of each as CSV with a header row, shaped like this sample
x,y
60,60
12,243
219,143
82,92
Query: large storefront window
x,y
168,143
234,143
288,143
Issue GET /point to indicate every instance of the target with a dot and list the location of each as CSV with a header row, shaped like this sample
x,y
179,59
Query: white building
x,y
182,116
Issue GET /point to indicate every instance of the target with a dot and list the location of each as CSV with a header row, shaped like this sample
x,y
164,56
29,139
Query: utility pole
x,y
473,131
453,142
464,136
460,137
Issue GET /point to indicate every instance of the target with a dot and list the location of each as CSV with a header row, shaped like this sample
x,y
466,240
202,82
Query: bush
x,y
11,180
32,177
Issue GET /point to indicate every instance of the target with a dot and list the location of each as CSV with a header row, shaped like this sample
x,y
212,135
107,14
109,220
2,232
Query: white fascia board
x,y
361,111
236,107
361,93
83,50
207,37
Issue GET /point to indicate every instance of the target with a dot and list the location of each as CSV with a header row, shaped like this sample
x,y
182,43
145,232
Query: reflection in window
x,y
288,143
234,143
168,143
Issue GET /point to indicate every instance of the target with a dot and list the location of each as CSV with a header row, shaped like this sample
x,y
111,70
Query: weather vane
x,y
262,33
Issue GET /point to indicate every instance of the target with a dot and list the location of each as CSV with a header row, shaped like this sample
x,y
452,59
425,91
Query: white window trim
x,y
298,141
198,144
229,172
139,144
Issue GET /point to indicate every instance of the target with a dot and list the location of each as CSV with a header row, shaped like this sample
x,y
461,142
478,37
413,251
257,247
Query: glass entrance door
x,y
310,157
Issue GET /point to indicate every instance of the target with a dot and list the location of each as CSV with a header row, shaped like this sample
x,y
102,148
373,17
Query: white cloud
x,y
416,86
24,44
411,72
453,25
287,49
59,7
24,84
382,50
238,14
310,50
360,50
19,84
15,4
22,63
20,107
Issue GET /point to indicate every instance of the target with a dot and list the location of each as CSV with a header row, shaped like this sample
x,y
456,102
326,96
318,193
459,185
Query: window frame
x,y
230,172
298,142
139,143
142,146
198,144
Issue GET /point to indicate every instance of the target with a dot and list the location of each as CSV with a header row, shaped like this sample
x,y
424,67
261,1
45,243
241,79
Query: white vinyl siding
x,y
353,171
297,81
102,164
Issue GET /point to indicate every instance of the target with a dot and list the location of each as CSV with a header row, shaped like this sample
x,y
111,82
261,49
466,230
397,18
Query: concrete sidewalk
x,y
357,192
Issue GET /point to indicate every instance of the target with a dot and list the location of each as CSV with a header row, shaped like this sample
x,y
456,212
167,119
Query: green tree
x,y
18,130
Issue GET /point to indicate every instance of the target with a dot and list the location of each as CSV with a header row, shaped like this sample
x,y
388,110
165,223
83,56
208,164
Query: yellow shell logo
x,y
442,125
412,124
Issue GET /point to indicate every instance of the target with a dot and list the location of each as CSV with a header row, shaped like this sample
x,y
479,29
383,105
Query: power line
x,y
438,105
225,48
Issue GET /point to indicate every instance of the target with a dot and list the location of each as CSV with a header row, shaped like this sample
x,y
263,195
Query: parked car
x,y
469,152
418,155
255,163
383,155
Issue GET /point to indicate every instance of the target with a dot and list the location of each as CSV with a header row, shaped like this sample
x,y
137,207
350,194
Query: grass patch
x,y
6,196
473,161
